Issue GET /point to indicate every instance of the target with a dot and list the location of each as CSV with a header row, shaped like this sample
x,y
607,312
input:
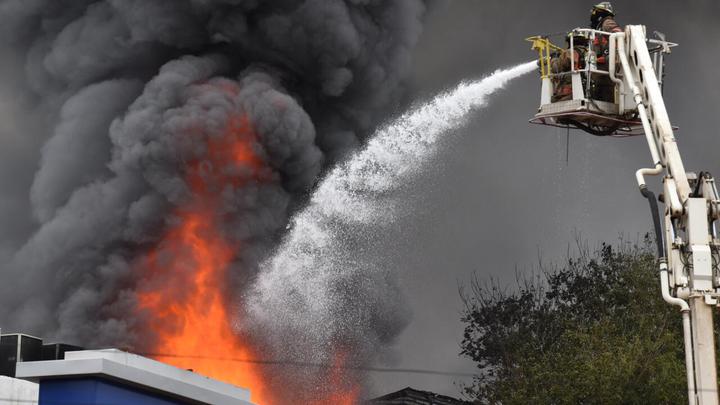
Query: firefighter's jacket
x,y
600,44
561,64
608,24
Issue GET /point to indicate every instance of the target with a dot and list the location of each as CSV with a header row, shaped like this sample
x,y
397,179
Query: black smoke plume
x,y
113,91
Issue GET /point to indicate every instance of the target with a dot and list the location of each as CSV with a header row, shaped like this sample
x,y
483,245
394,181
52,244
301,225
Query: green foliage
x,y
595,331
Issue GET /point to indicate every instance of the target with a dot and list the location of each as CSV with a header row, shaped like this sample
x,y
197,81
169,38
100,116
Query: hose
x,y
684,308
696,192
597,132
656,219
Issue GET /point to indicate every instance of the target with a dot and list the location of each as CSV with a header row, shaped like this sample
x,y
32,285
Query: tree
x,y
592,331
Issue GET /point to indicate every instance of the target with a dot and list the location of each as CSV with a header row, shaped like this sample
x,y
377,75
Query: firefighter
x,y
561,63
602,18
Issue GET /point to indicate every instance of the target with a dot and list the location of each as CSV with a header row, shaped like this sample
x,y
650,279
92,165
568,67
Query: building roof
x,y
19,334
137,371
17,392
411,396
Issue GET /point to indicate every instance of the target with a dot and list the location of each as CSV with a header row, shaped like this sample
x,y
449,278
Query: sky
x,y
500,197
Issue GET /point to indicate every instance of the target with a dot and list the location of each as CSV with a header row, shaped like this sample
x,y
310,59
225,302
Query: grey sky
x,y
501,194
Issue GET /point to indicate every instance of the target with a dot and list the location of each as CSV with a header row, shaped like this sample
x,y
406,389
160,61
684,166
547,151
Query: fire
x,y
349,397
184,295
188,271
202,329
343,392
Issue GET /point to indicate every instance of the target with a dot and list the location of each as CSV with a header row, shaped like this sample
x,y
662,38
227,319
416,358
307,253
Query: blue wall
x,y
95,391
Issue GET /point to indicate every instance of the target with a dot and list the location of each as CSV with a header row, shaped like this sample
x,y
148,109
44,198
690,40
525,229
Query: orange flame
x,y
342,391
185,290
201,327
188,271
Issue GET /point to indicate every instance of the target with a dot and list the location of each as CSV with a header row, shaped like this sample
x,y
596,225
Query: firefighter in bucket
x,y
602,18
562,62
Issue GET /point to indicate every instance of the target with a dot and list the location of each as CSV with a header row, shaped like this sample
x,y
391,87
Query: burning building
x,y
182,136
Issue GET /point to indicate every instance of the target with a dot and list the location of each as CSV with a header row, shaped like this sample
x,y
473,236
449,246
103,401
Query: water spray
x,y
302,291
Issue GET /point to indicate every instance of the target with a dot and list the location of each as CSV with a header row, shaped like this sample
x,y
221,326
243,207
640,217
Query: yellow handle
x,y
544,47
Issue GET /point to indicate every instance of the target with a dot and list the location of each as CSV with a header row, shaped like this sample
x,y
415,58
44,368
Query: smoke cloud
x,y
130,91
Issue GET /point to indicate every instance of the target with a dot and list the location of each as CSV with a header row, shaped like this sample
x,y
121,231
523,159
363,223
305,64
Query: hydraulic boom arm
x,y
689,255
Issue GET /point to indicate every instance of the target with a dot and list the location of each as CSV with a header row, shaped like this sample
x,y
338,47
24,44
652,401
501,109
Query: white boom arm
x,y
689,258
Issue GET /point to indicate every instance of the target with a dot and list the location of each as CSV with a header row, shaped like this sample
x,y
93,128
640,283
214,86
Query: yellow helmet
x,y
604,6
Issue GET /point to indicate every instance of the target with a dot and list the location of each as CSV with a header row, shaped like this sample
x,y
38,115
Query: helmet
x,y
599,12
578,38
605,7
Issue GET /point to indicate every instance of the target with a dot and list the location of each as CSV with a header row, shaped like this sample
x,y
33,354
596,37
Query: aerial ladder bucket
x,y
589,108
